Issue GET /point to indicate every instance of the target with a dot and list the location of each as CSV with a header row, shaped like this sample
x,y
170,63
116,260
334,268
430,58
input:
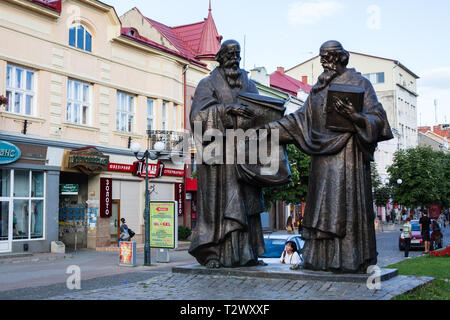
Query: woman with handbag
x,y
124,234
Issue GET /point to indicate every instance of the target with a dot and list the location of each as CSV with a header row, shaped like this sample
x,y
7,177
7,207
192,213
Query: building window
x,y
165,125
28,194
174,118
125,113
78,102
150,114
80,38
375,77
20,89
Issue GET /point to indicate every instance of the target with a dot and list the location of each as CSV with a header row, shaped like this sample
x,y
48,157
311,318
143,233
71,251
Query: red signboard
x,y
120,167
105,197
173,172
179,197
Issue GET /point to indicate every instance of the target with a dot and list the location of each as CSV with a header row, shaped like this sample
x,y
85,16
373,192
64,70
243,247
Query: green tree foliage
x,y
381,192
425,174
294,192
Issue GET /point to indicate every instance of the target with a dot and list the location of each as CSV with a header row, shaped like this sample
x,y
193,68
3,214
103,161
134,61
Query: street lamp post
x,y
136,148
399,182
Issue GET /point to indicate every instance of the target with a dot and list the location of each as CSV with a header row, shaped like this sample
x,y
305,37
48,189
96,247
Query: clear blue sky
x,y
287,32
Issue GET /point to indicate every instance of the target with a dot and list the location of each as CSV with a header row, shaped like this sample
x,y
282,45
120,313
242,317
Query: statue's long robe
x,y
229,224
338,223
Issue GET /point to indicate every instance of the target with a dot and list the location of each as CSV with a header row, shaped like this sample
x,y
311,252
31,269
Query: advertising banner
x,y
162,224
105,197
127,254
179,198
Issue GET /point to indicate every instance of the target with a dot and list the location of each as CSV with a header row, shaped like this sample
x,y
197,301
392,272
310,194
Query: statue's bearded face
x,y
329,60
230,64
232,57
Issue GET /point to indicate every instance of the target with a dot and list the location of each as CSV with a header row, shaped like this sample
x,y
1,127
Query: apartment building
x,y
82,86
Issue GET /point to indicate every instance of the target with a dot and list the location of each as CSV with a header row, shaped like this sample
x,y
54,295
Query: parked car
x,y
416,237
275,244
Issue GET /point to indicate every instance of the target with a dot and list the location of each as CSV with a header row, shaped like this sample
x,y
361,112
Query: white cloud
x,y
434,84
426,114
311,12
436,78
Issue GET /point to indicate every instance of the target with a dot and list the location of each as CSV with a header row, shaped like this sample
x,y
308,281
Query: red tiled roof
x,y
170,35
195,41
137,37
287,84
51,4
190,34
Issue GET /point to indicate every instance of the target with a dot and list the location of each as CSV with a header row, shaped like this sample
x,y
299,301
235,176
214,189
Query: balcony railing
x,y
171,139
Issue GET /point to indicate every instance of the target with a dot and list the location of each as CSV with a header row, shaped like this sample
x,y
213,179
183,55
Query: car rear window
x,y
415,227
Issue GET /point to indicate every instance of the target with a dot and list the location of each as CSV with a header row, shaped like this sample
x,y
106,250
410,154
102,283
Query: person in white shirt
x,y
290,254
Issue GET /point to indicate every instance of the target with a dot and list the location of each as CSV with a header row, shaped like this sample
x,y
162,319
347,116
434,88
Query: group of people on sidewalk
x,y
425,225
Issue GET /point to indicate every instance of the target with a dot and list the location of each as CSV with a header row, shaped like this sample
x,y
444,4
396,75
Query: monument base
x,y
282,271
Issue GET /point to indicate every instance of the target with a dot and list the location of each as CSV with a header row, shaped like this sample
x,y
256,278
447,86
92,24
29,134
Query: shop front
x,y
28,198
94,200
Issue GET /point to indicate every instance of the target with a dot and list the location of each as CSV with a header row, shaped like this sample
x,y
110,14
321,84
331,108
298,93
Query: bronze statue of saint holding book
x,y
339,126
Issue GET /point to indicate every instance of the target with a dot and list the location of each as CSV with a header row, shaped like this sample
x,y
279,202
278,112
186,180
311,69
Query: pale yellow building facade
x,y
74,80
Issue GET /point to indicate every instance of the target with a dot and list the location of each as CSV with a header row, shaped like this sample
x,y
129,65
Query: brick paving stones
x,y
170,286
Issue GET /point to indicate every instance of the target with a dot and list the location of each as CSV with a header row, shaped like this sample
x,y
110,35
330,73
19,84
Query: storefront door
x,y
6,227
114,221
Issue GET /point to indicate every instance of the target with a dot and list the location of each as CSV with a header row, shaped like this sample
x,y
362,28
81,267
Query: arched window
x,y
80,38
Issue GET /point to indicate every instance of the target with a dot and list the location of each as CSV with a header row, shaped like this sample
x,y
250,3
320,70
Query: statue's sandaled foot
x,y
213,264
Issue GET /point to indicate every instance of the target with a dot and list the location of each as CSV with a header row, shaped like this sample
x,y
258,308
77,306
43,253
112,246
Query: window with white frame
x,y
150,113
375,77
20,89
125,114
26,190
78,102
165,124
174,117
80,38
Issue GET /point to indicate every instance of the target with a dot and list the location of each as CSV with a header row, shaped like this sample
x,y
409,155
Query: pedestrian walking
x,y
425,230
124,235
290,225
441,220
406,234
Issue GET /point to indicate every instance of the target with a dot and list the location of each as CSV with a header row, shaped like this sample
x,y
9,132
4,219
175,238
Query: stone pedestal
x,y
282,271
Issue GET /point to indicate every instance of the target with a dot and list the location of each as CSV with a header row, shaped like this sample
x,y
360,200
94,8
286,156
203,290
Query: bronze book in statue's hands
x,y
336,121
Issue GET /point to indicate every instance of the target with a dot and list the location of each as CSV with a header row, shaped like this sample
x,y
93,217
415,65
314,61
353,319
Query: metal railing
x,y
170,139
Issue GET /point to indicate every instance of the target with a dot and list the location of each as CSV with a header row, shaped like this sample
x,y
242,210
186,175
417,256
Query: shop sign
x,y
154,170
120,167
105,197
162,224
89,160
69,189
127,254
9,153
173,172
179,198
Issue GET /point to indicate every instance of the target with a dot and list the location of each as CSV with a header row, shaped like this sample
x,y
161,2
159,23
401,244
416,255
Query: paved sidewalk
x,y
30,258
173,286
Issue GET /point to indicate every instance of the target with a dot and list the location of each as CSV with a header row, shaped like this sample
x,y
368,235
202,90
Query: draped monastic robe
x,y
338,223
229,225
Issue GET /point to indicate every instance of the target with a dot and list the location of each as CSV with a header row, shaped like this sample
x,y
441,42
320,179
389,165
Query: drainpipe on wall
x,y
185,69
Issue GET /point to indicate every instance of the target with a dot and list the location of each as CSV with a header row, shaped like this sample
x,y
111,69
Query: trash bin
x,y
163,255
127,254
